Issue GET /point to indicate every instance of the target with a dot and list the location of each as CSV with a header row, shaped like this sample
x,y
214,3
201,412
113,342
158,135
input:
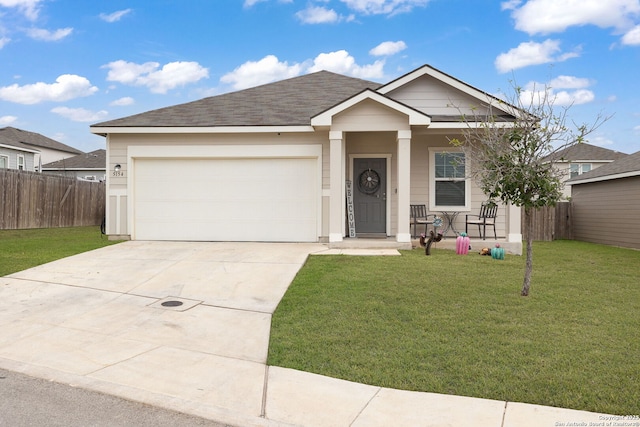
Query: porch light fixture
x,y
117,168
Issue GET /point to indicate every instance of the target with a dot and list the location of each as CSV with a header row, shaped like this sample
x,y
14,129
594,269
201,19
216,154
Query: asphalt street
x,y
27,401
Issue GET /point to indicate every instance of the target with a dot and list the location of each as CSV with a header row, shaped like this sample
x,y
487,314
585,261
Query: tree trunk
x,y
528,268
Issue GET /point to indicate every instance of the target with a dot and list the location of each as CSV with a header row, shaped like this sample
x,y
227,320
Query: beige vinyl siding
x,y
433,97
607,212
370,116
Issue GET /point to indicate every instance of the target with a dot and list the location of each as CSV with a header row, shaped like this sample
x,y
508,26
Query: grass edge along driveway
x,y
457,324
23,249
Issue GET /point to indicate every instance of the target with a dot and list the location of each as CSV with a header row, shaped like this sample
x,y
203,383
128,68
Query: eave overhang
x,y
105,130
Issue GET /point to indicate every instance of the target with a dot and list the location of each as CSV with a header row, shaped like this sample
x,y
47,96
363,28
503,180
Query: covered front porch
x,y
448,243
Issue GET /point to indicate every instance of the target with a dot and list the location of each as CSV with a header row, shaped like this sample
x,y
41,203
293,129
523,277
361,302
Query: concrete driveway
x,y
97,321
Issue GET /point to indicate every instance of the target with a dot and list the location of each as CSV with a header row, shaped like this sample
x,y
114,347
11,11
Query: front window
x,y
449,188
21,163
579,169
4,162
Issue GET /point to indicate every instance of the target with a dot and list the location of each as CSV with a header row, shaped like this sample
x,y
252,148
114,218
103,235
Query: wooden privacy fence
x,y
551,223
35,200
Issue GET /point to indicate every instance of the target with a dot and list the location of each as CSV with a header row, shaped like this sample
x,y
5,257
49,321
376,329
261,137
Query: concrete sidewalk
x,y
97,320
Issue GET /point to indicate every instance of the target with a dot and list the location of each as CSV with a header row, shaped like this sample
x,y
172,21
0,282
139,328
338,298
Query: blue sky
x,y
66,64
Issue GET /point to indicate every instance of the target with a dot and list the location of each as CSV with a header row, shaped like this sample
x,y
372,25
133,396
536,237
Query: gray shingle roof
x,y
586,151
629,164
94,160
290,102
16,137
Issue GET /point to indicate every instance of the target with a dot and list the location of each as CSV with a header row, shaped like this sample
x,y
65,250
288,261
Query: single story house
x,y
582,158
321,157
88,166
605,203
30,149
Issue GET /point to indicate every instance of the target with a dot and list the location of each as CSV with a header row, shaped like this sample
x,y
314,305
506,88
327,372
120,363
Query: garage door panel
x,y
226,199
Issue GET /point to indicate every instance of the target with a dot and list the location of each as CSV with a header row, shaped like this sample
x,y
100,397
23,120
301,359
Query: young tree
x,y
512,155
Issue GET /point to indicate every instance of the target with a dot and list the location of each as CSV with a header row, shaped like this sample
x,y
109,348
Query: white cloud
x,y
317,15
343,63
632,37
66,87
80,114
161,80
4,41
384,7
569,82
270,69
7,120
532,53
510,4
575,92
600,141
266,70
28,7
388,48
127,100
637,129
249,3
549,16
115,16
49,36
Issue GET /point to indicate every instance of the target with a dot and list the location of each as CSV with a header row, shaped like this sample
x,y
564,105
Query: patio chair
x,y
487,216
419,216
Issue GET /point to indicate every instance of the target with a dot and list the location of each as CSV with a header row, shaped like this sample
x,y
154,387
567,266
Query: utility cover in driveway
x,y
262,199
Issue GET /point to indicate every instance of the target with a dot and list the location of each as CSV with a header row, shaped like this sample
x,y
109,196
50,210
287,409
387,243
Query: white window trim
x,y
580,168
21,161
432,182
6,160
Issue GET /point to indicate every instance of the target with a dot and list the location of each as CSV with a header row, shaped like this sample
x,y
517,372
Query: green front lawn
x,y
458,325
22,249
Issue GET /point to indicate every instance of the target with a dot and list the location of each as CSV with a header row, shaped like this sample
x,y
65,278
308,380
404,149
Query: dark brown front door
x,y
370,195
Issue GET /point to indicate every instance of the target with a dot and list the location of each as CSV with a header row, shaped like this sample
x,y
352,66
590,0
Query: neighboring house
x,y
271,163
45,149
15,155
605,203
582,158
89,166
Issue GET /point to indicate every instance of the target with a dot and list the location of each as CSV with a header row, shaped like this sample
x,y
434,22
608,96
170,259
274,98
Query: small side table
x,y
450,218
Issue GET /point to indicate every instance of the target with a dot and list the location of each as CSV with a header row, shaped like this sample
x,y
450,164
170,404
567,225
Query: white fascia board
x,y
446,79
104,130
469,125
13,147
416,118
75,169
604,178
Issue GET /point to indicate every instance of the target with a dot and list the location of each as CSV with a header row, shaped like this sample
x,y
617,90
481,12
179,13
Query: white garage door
x,y
226,199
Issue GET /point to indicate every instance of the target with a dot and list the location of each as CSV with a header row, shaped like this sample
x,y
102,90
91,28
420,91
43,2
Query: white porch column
x,y
514,228
337,187
404,186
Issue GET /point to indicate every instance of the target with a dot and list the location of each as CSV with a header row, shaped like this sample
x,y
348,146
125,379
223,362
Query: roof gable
x,y
444,97
415,117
